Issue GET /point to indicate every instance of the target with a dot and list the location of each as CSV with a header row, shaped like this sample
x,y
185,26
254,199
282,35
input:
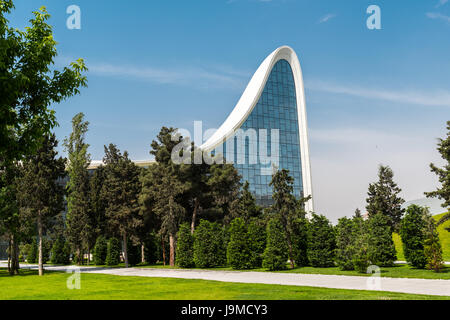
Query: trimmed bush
x,y
238,250
321,242
32,254
345,244
360,257
381,249
185,247
100,250
276,252
209,245
300,241
412,232
60,253
113,252
151,248
257,241
432,245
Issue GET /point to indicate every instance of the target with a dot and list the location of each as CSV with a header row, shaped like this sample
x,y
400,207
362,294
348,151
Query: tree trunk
x,y
194,215
89,255
142,254
172,250
125,252
9,257
163,250
41,266
14,256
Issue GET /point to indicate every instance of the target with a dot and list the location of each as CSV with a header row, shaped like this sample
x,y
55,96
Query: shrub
x,y
238,250
209,245
412,232
113,252
134,253
151,248
432,248
345,248
257,242
185,247
321,242
60,253
32,255
276,252
100,250
381,249
360,257
300,241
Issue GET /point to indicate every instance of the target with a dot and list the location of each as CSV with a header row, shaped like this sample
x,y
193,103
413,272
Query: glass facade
x,y
276,109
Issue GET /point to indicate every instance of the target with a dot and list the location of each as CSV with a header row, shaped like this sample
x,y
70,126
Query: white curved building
x,y
273,102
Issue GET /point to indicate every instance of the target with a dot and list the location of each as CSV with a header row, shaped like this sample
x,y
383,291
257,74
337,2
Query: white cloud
x,y
439,16
441,3
435,98
326,18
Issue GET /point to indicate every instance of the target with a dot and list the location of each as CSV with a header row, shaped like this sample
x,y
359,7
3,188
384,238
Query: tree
x,y
360,245
444,176
185,247
432,245
276,252
209,245
238,249
300,241
97,202
257,241
60,252
122,187
79,229
32,255
248,208
100,250
381,249
345,243
41,197
357,213
412,232
321,242
29,84
383,198
113,252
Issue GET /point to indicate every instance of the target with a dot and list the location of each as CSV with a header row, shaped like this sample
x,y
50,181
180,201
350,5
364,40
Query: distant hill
x,y
433,204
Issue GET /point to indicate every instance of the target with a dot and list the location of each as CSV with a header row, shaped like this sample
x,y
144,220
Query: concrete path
x,y
403,285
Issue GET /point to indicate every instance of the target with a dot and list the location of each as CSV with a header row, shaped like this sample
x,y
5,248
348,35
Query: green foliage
x,y
412,232
100,250
300,241
238,250
113,252
321,242
185,247
257,242
381,249
276,252
247,206
151,248
60,253
134,253
209,245
345,249
360,257
32,254
432,245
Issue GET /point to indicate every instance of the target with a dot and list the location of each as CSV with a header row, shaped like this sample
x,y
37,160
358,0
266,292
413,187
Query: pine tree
x,y
32,255
121,189
40,194
238,250
383,198
79,228
432,245
276,252
59,253
209,245
357,213
360,245
321,242
113,252
443,174
257,241
185,247
412,232
345,231
300,241
100,250
248,208
381,249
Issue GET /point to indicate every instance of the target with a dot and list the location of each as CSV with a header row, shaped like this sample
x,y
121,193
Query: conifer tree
x,y
257,241
276,252
321,242
100,250
381,249
412,232
443,174
360,245
185,247
79,227
432,245
345,243
40,194
383,197
248,208
238,250
300,241
113,252
209,245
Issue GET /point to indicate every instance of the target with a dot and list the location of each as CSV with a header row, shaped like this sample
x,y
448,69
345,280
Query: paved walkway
x,y
403,285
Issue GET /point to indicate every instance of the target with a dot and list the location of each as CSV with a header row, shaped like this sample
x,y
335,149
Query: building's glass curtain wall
x,y
276,109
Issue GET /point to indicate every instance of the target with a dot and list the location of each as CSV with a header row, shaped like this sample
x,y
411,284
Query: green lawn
x,y
444,235
52,285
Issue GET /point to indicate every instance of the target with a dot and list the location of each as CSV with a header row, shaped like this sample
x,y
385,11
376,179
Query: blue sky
x,y
373,96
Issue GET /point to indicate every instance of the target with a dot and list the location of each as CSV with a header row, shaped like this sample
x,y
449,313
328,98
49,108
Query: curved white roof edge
x,y
250,98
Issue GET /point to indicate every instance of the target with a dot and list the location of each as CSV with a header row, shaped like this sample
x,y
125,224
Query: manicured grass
x,y
29,286
444,235
397,271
